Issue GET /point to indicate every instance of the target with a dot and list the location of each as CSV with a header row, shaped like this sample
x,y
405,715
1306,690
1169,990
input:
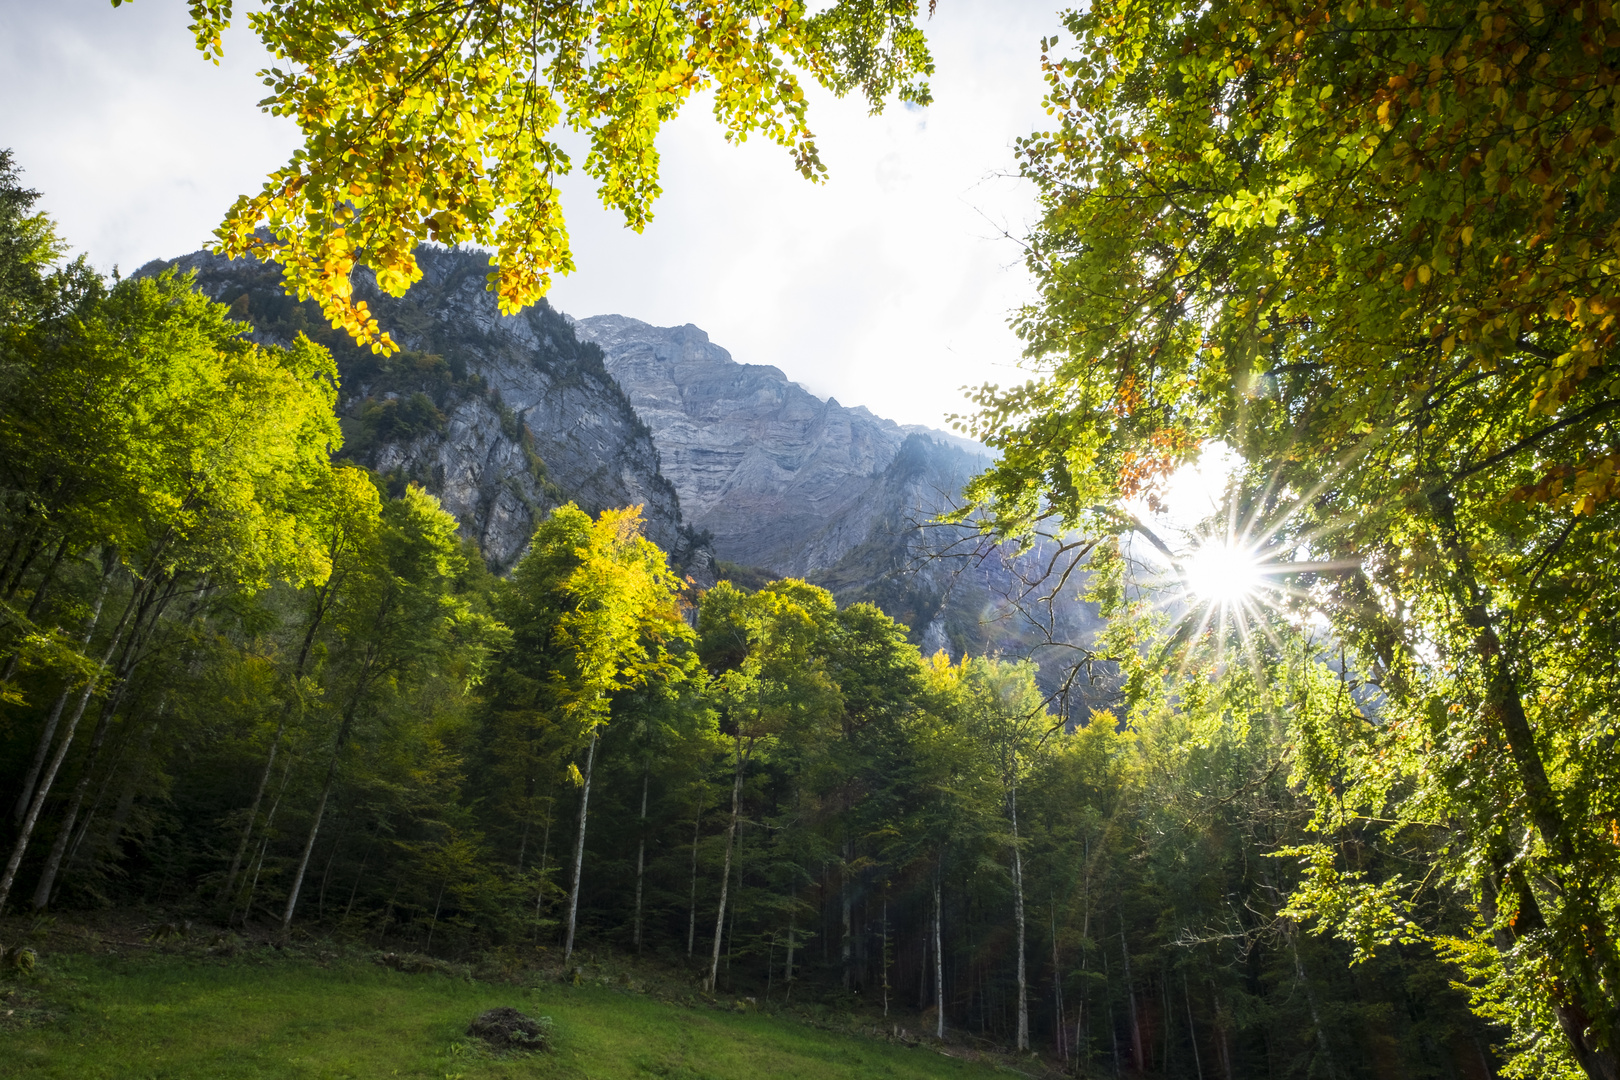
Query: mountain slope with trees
x,y
502,417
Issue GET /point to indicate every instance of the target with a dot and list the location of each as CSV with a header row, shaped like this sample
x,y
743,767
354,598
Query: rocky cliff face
x,y
793,485
502,417
781,479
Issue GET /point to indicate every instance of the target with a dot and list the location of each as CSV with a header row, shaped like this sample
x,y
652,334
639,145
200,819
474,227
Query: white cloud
x,y
888,286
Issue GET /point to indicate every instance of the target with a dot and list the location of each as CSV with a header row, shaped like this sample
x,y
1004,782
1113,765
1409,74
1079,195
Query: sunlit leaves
x,y
1371,249
437,120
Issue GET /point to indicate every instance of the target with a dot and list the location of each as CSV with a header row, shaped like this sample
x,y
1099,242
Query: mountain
x,y
780,478
502,417
789,484
505,417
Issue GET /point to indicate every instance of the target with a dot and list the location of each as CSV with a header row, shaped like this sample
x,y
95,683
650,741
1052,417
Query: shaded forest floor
x,y
163,1001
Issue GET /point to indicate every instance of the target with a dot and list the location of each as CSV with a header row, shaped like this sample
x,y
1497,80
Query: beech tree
x,y
594,611
1370,248
767,652
427,120
153,433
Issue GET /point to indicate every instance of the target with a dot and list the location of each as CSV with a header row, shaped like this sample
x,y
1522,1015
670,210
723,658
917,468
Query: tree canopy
x,y
431,120
1370,247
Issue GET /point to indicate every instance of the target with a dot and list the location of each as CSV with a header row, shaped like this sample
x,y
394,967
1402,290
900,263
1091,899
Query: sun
x,y
1221,572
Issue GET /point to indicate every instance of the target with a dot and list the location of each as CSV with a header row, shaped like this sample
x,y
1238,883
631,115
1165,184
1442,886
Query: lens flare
x,y
1222,573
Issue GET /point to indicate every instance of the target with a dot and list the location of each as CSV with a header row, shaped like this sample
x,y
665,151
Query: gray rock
x,y
781,479
796,486
502,416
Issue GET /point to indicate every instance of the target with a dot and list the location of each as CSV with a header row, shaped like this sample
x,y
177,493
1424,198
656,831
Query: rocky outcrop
x,y
502,417
796,486
781,479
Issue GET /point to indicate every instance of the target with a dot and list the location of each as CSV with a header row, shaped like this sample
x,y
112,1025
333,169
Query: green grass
x,y
176,1019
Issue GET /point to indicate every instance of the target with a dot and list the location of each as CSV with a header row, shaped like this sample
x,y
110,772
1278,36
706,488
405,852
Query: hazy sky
x,y
888,286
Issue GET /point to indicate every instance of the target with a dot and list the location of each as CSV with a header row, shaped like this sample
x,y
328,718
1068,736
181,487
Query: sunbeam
x,y
1221,572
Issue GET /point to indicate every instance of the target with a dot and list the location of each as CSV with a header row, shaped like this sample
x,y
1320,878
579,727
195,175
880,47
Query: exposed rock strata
x,y
502,417
780,478
794,485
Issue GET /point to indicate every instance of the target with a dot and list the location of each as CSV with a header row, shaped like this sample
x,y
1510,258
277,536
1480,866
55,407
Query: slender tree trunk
x,y
641,857
29,553
326,872
65,833
326,793
846,940
1113,1023
269,819
1331,1068
1082,1044
34,604
725,877
545,859
146,620
1225,1051
309,842
939,959
1130,998
885,956
253,809
1192,1027
434,925
324,597
579,849
42,751
787,970
731,934
1059,1023
691,911
922,963
42,788
1018,919
354,890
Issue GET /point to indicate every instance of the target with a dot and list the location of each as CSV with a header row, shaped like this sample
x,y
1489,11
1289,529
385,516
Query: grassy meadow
x,y
85,1017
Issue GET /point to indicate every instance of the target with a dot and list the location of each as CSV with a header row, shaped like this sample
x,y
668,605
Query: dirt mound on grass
x,y
507,1029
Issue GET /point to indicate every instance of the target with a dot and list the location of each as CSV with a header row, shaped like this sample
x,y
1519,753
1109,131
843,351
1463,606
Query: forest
x,y
1346,803
245,682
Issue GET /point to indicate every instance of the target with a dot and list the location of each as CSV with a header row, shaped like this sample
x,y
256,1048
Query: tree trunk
x,y
309,843
1316,1013
1081,1042
326,792
725,877
691,911
787,969
641,858
20,808
579,849
324,597
269,819
1587,1014
1192,1028
1059,1025
42,788
939,960
1018,919
1220,1032
1113,1024
884,958
146,619
1130,998
846,941
545,859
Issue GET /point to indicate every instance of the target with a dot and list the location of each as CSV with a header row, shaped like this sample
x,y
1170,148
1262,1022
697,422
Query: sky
x,y
888,286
